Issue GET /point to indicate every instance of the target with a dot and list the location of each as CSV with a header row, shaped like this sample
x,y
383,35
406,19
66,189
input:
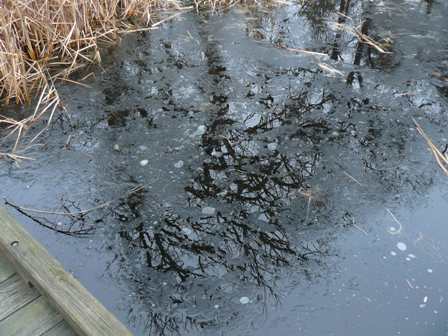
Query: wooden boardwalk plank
x,y
32,320
6,269
62,329
80,309
14,294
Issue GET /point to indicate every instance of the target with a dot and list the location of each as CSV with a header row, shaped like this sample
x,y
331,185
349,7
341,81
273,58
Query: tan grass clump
x,y
45,40
441,157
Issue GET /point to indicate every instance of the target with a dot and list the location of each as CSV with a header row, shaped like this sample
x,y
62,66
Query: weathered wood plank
x,y
62,329
6,269
14,294
32,320
80,309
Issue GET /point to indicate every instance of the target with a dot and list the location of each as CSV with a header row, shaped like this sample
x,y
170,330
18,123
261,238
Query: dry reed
x,y
45,40
441,158
42,41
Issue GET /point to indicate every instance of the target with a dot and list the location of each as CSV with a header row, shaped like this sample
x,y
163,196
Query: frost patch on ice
x,y
209,211
179,164
252,120
187,231
144,163
216,153
393,253
263,218
200,131
429,270
244,300
272,146
402,246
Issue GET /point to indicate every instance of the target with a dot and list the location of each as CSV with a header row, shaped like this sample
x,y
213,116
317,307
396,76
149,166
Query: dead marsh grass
x,y
44,41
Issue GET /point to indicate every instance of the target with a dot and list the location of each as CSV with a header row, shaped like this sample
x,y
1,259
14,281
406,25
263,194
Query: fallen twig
x,y
49,212
69,232
73,215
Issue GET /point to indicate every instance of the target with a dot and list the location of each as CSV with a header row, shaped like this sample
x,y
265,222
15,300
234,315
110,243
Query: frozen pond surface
x,y
251,189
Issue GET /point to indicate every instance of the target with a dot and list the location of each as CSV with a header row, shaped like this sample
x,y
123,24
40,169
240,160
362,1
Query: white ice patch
x,y
402,246
179,164
263,218
425,299
254,209
187,231
429,270
200,131
144,163
393,253
272,146
208,211
244,300
253,120
412,256
215,153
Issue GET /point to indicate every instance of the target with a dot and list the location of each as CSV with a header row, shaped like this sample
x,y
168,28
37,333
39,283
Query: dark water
x,y
255,190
